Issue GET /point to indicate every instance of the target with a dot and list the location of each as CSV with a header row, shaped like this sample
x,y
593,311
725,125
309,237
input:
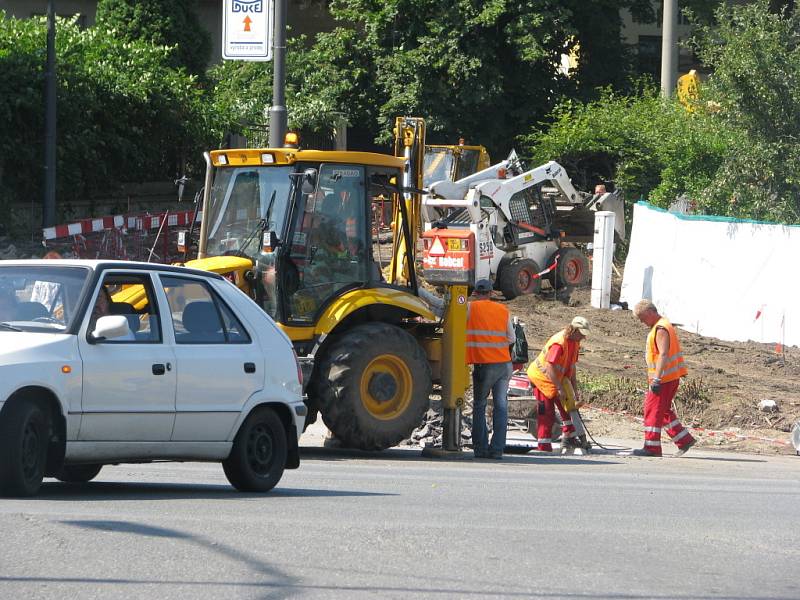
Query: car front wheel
x,y
23,448
259,452
78,473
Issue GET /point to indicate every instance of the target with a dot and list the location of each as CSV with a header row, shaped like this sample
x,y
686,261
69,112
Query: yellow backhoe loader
x,y
294,230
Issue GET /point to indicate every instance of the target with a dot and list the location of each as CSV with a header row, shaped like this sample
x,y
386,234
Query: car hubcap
x,y
260,449
386,387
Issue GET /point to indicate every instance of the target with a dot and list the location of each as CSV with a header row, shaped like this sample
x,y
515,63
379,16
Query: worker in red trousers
x,y
550,373
665,367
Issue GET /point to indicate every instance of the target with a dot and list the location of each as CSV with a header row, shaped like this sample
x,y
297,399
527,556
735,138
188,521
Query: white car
x,y
106,362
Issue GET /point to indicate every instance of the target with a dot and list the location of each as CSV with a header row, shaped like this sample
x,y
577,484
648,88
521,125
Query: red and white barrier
x,y
128,222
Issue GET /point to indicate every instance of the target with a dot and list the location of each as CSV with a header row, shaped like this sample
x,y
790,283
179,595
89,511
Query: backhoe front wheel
x,y
374,386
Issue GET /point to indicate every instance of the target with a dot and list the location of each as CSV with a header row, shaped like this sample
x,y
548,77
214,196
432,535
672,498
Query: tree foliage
x,y
482,69
735,153
163,23
124,114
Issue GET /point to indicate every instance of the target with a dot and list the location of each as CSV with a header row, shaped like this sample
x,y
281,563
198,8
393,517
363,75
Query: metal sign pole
x,y
277,112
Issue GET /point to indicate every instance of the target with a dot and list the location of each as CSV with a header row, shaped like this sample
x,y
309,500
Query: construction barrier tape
x,y
122,222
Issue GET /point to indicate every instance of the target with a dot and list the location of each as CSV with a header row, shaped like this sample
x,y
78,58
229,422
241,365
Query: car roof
x,y
102,265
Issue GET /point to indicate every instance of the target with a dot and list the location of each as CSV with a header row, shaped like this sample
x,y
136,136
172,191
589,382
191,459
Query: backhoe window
x,y
240,198
329,246
467,163
438,165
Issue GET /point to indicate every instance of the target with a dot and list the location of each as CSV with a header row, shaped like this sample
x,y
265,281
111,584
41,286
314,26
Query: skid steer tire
x,y
518,278
573,269
374,386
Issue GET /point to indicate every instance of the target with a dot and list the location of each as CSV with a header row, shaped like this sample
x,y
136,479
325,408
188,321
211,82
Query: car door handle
x,y
159,369
249,367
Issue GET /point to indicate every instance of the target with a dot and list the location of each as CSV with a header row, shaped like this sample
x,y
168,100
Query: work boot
x,y
684,450
568,445
643,452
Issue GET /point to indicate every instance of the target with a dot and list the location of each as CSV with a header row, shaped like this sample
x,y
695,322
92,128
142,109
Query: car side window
x,y
199,316
131,296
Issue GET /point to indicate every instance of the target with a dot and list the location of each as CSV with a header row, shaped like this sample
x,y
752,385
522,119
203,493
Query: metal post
x,y
49,202
455,374
277,112
669,48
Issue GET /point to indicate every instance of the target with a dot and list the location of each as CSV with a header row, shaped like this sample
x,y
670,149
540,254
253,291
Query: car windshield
x,y
40,297
240,198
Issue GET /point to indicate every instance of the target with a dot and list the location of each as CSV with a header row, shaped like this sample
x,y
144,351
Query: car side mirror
x,y
110,327
309,185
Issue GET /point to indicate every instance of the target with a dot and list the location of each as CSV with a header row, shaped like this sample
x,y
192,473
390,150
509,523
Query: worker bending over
x,y
489,334
551,374
665,367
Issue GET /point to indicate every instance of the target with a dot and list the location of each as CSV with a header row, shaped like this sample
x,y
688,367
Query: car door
x,y
219,365
128,382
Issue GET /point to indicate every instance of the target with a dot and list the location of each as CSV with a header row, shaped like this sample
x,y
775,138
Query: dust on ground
x,y
726,380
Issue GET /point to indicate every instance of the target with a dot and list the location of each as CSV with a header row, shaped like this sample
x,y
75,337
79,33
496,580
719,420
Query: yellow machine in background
x,y
451,163
293,229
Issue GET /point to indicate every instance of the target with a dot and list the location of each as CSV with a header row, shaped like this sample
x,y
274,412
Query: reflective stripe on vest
x,y
674,368
487,337
537,373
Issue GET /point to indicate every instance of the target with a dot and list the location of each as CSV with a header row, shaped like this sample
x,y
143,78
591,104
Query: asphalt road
x,y
395,525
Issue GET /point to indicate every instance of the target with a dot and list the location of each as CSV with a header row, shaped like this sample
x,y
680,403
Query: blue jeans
x,y
492,377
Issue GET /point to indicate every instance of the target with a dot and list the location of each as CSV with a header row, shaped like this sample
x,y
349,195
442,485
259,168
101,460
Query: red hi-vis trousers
x,y
546,416
658,414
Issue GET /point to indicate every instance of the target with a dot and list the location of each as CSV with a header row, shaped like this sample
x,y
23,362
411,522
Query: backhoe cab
x,y
294,230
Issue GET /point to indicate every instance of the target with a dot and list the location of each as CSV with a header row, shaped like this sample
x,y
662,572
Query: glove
x,y
655,386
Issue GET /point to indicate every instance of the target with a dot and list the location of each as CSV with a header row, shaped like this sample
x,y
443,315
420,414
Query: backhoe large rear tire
x,y
374,386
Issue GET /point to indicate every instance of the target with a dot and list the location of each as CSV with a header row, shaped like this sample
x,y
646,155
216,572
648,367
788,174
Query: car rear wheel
x,y
23,448
78,473
258,456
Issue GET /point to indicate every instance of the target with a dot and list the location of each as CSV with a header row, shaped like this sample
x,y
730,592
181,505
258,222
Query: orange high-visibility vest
x,y
674,368
487,327
564,367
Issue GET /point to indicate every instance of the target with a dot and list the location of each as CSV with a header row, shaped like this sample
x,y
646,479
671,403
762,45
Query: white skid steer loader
x,y
513,226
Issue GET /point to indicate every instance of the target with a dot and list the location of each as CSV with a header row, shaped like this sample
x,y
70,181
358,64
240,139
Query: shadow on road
x,y
465,457
279,584
103,491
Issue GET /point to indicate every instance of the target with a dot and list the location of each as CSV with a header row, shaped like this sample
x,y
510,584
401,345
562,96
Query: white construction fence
x,y
716,276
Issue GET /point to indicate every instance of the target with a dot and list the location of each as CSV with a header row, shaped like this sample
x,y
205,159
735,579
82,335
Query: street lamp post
x,y
49,203
669,47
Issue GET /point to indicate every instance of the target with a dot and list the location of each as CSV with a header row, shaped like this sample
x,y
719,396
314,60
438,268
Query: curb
x,y
703,430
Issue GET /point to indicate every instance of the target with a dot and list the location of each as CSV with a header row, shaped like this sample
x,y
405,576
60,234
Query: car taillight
x,y
299,369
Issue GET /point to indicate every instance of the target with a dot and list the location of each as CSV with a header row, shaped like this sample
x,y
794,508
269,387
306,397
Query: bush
x,y
124,114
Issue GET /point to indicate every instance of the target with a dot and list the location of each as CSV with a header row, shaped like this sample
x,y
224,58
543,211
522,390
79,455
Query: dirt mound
x,y
726,379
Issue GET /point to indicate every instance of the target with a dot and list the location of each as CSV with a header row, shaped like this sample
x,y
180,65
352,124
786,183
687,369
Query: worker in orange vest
x,y
549,373
490,331
665,367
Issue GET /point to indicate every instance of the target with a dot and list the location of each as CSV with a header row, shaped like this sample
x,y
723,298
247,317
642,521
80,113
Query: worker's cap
x,y
483,286
581,324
